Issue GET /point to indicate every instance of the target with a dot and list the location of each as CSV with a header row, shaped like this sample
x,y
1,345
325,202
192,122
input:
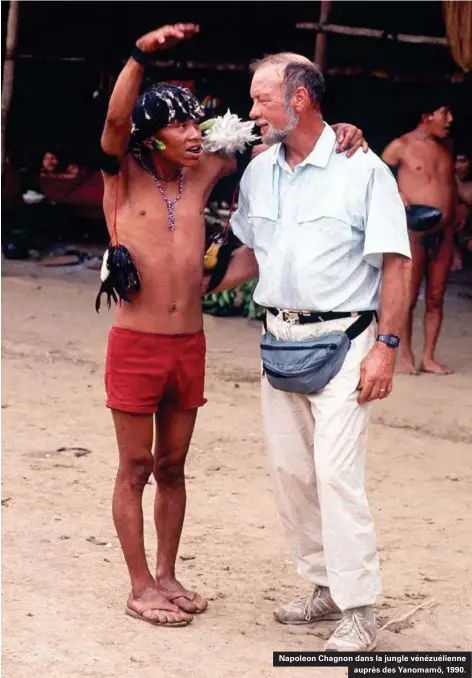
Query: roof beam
x,y
372,33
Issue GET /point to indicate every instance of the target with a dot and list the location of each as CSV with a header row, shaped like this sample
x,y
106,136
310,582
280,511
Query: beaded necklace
x,y
170,203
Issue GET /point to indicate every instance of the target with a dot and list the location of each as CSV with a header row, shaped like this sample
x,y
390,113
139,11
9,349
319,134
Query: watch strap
x,y
389,339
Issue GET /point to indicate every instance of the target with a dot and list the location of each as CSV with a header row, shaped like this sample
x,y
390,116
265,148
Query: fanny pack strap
x,y
354,330
361,324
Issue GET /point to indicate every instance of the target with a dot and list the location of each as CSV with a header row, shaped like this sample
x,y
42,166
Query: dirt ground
x,y
63,595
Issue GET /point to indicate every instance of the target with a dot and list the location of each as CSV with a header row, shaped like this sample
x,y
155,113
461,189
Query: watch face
x,y
389,339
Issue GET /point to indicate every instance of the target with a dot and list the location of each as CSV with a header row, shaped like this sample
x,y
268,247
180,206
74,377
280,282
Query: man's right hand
x,y
166,37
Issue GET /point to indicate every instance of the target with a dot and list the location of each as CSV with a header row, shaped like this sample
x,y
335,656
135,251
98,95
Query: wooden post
x,y
322,38
9,68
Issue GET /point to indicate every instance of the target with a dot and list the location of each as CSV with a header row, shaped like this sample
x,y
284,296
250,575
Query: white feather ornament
x,y
104,272
227,135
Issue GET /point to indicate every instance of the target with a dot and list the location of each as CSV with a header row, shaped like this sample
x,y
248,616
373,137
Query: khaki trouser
x,y
316,445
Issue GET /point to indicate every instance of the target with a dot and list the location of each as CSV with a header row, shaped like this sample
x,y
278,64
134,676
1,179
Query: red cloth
x,y
144,370
85,195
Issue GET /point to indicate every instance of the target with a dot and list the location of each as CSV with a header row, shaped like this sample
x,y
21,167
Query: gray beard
x,y
278,136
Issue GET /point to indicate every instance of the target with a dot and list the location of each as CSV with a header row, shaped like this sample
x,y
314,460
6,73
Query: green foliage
x,y
221,304
249,307
234,302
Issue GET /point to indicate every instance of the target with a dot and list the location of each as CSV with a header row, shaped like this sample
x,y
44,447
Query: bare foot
x,y
189,601
153,607
433,367
406,366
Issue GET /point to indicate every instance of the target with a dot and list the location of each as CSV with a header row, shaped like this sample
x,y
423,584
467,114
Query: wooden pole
x,y
372,33
9,68
322,37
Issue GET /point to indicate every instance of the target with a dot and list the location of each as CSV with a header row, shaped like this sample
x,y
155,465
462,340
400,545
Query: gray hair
x,y
298,71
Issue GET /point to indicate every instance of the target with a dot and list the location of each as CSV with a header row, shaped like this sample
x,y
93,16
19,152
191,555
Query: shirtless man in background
x,y
425,176
157,182
464,177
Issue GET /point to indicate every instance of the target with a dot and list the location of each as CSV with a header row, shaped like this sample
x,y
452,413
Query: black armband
x,y
142,58
109,163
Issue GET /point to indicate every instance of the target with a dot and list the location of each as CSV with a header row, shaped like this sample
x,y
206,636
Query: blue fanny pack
x,y
308,366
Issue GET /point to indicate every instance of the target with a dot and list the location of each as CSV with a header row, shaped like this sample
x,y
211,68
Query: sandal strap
x,y
188,595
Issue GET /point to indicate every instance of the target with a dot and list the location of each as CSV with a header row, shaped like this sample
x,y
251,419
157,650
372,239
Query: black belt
x,y
313,317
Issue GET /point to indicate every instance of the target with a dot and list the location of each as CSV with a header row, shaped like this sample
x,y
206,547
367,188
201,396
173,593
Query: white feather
x,y
228,135
104,272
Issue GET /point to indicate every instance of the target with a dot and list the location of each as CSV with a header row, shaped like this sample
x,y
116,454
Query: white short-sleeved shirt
x,y
318,232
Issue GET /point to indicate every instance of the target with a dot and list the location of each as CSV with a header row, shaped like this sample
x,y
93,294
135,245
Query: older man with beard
x,y
330,240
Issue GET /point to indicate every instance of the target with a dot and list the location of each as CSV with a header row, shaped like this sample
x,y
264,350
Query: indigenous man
x,y
464,178
157,182
425,168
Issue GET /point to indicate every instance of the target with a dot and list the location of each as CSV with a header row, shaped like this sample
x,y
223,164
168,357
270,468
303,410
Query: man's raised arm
x,y
115,136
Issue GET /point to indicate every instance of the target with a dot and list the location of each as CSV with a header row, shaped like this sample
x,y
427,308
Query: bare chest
x,y
427,160
466,191
148,218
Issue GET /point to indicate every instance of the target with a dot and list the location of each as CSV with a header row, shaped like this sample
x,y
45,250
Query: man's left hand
x,y
349,137
377,369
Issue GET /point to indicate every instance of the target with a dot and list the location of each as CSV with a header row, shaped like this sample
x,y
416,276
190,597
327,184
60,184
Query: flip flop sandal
x,y
153,622
191,595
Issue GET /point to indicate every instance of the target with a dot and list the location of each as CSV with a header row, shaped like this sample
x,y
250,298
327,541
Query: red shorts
x,y
144,370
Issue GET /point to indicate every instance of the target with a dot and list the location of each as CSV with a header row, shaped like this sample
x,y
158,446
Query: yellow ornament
x,y
211,257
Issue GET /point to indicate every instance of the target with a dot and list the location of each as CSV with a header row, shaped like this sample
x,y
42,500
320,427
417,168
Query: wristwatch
x,y
390,339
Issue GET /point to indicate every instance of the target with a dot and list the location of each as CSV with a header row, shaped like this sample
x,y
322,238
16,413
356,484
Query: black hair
x,y
161,105
433,101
